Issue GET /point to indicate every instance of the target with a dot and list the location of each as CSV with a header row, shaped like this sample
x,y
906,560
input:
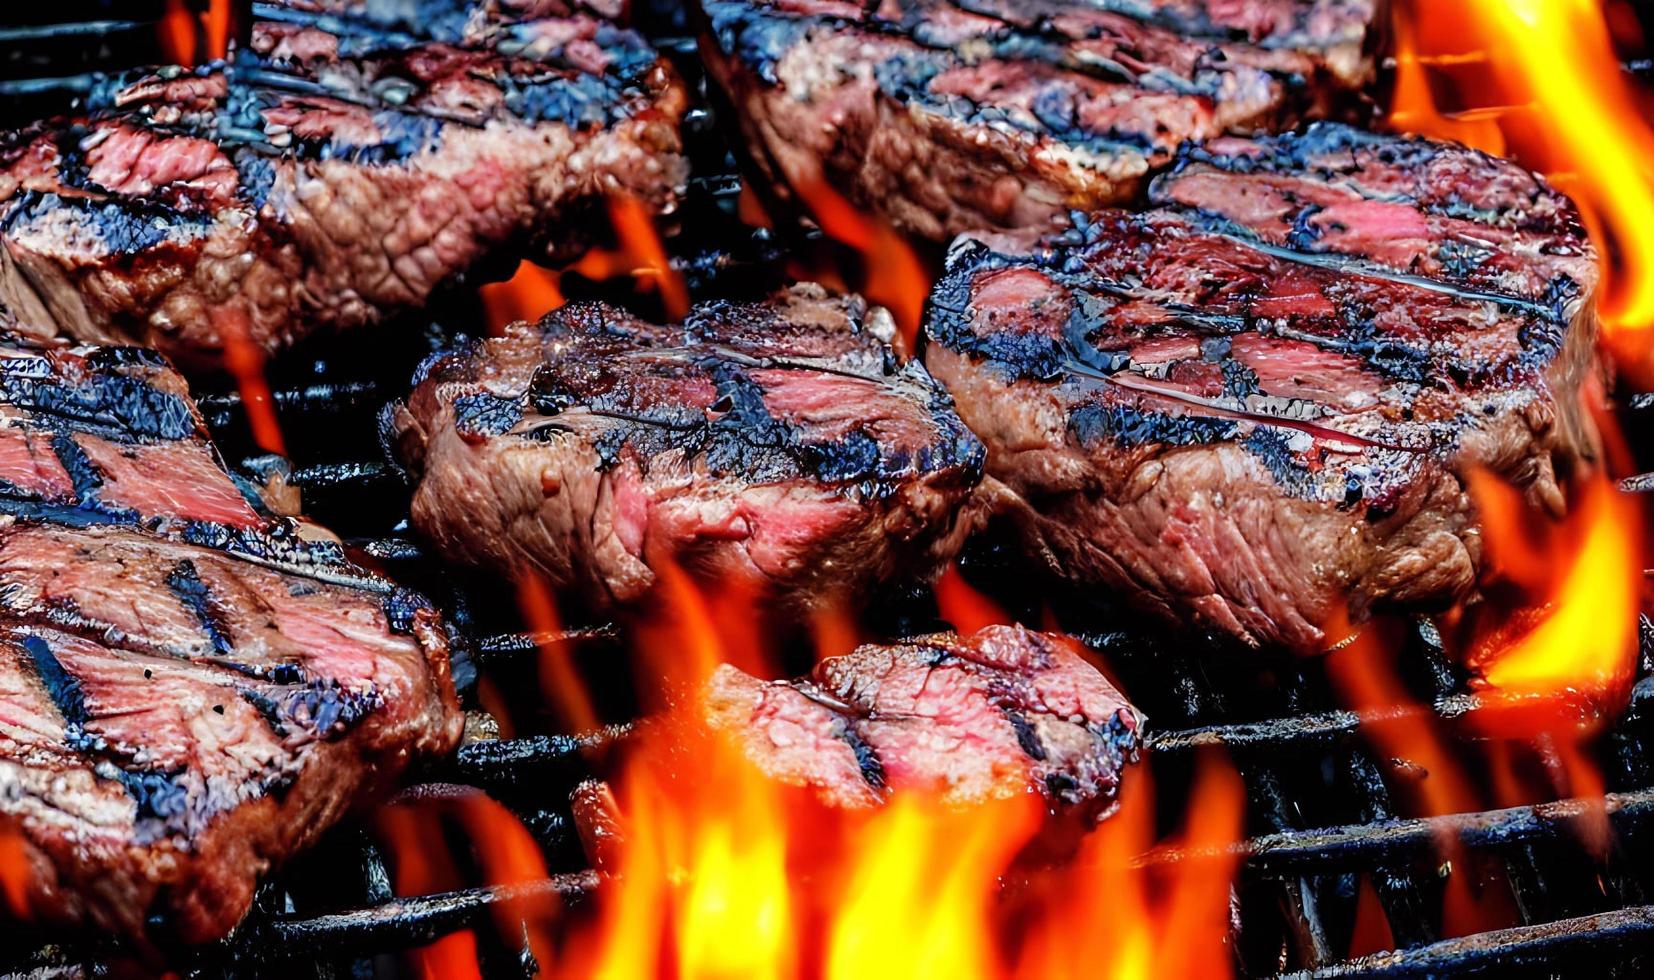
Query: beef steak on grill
x,y
1003,712
1260,401
189,691
777,445
956,115
330,174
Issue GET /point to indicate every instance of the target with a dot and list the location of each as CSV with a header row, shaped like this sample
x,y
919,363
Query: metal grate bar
x,y
404,922
1503,950
1352,845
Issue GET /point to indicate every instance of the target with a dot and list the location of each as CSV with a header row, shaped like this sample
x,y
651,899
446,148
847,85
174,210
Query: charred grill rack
x,y
1319,814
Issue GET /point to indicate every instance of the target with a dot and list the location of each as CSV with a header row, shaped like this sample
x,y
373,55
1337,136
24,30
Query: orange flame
x,y
14,872
1581,634
895,278
505,853
183,33
532,292
1541,78
558,677
176,33
639,254
1107,916
244,359
1428,777
963,606
723,872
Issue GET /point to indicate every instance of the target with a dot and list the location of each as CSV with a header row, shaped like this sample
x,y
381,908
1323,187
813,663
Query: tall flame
x,y
895,278
1582,637
1541,80
244,359
715,871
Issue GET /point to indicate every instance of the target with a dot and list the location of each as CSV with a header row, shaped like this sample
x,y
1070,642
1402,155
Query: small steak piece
x,y
777,445
331,174
1251,407
189,691
1004,712
955,115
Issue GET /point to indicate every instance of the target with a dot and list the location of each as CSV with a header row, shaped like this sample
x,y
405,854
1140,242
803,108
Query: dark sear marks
x,y
335,171
1257,402
190,690
1000,713
776,446
950,116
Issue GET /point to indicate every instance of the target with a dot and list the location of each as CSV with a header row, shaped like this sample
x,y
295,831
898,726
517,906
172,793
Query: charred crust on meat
x,y
185,583
867,756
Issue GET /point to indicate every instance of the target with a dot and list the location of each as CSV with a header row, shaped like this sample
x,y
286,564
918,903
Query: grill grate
x,y
1318,805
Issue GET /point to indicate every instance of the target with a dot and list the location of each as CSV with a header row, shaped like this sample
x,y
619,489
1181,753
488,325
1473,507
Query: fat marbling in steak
x,y
1258,402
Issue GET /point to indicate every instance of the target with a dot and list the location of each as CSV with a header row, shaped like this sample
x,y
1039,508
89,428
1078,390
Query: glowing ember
x,y
1540,79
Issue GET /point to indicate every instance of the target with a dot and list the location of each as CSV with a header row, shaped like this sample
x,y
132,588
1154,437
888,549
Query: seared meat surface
x,y
334,172
777,446
1003,712
956,115
189,691
1258,403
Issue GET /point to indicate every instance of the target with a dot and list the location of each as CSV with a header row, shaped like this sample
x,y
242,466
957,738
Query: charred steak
x,y
189,691
956,115
332,173
1004,712
777,445
1258,402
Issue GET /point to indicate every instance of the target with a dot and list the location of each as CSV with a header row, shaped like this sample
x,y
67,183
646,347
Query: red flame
x,y
244,359
558,677
895,277
14,871
1541,80
528,295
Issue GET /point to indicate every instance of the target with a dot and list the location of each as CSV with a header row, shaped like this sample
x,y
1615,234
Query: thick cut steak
x,y
189,691
332,173
1258,403
776,445
956,115
1003,712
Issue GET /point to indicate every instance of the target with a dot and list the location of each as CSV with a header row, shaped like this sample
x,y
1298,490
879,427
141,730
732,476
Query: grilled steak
x,y
1259,402
955,115
777,445
331,174
1003,712
189,691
